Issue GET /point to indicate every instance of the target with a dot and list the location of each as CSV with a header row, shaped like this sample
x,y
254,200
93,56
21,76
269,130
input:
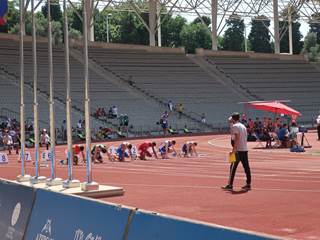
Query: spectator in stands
x,y
318,127
114,112
103,113
180,110
44,139
172,131
131,82
203,118
79,125
104,133
144,150
167,147
189,149
170,106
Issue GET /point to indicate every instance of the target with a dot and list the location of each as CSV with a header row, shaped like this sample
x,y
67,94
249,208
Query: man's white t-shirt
x,y
239,129
318,120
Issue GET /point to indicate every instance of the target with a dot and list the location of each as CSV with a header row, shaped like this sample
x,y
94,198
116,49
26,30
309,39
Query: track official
x,y
240,148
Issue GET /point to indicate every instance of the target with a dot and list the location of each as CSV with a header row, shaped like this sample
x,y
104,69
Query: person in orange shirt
x,y
144,150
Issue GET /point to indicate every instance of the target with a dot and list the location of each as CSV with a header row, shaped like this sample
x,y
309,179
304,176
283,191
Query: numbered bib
x,y
27,157
4,158
46,156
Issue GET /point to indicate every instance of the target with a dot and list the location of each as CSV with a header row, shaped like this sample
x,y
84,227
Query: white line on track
x,y
211,187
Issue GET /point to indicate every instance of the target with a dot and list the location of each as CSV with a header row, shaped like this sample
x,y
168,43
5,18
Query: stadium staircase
x,y
216,72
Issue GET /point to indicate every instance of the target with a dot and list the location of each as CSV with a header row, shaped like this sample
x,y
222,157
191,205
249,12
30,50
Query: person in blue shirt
x,y
283,134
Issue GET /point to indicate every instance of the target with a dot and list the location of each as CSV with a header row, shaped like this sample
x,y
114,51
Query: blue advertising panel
x,y
16,203
57,216
148,226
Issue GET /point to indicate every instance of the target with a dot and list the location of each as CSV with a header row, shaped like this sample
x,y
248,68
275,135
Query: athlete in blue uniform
x,y
167,147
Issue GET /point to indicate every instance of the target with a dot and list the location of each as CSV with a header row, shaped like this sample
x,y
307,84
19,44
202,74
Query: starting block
x,y
4,158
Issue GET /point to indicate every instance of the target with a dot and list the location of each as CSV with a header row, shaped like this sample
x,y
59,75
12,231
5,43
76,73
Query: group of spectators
x,y
285,134
112,113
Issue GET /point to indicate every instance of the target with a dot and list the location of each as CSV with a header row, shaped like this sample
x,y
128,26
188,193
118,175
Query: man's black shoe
x,y
246,187
227,187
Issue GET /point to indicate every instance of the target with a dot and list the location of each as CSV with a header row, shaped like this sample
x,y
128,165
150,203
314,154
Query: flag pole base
x,y
71,183
39,179
23,178
54,182
89,186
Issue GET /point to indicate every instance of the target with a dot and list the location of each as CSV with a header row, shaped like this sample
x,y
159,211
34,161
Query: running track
x,y
285,200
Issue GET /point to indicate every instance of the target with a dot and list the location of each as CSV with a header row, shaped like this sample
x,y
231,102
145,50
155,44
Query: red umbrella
x,y
275,107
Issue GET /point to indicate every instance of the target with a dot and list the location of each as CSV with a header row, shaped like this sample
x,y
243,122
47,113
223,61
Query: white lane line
x,y
211,187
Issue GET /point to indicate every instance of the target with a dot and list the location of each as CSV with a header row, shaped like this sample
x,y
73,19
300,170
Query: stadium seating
x,y
272,77
103,93
139,80
168,74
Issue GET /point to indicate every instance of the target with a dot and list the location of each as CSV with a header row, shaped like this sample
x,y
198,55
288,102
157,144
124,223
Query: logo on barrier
x,y
14,220
45,232
79,235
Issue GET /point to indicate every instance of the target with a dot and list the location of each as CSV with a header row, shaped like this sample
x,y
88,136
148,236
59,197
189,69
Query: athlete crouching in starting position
x,y
77,152
97,153
167,147
122,152
144,150
189,149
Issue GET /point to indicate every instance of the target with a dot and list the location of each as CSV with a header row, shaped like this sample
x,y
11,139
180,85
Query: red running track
x,y
284,201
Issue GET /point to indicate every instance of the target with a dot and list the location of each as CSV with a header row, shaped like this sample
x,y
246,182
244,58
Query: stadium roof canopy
x,y
217,10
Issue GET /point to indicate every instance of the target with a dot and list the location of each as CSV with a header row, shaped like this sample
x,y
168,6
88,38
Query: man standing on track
x,y
241,150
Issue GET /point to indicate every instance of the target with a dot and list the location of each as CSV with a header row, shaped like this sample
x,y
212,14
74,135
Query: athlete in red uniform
x,y
77,150
144,150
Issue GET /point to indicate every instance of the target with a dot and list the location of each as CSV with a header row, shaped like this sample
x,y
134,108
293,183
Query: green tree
x,y
296,38
55,10
259,36
12,16
309,41
74,21
234,35
41,27
195,36
203,19
315,25
171,29
129,28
